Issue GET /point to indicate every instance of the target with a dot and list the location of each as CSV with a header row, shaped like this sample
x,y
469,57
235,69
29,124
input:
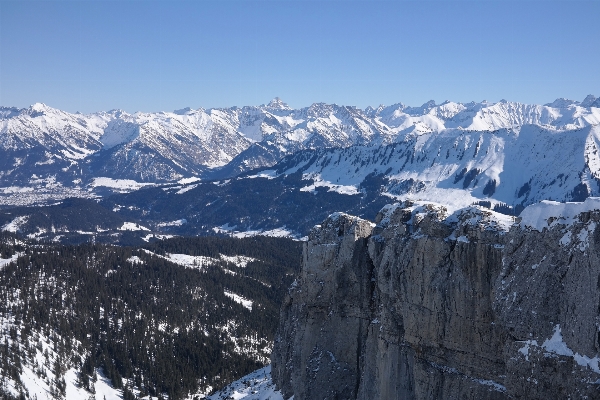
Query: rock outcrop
x,y
428,304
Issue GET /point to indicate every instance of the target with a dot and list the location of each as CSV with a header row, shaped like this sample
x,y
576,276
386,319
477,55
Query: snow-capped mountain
x,y
505,170
148,147
68,149
167,146
515,167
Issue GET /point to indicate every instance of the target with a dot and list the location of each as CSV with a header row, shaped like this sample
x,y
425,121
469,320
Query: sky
x,y
151,56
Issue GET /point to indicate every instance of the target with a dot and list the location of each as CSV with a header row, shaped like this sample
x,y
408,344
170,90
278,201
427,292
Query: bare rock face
x,y
327,313
547,299
428,304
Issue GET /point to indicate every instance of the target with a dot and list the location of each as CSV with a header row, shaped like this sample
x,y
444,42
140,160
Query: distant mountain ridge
x,y
68,150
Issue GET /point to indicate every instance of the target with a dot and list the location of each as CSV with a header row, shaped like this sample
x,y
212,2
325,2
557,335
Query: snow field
x,y
239,299
254,386
123,185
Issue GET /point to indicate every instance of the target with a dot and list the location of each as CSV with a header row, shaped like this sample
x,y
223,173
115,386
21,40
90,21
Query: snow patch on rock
x,y
557,346
546,214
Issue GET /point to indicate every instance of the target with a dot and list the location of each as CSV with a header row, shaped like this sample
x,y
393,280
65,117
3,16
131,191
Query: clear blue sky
x,y
163,55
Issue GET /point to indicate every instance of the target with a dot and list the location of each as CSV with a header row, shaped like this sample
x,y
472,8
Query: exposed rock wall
x,y
427,305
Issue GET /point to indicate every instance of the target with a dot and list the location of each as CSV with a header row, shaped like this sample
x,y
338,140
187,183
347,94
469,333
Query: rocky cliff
x,y
430,304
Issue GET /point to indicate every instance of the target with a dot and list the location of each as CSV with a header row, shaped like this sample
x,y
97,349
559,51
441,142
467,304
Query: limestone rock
x,y
429,304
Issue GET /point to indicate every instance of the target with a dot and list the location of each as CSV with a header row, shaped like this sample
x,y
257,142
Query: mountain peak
x,y
424,109
39,107
588,101
561,102
278,104
184,111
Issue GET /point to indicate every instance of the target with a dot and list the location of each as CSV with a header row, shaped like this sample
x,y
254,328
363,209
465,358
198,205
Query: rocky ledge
x,y
431,304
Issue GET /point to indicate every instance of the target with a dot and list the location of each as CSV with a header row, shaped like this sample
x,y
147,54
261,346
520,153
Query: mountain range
x,y
275,170
46,145
106,320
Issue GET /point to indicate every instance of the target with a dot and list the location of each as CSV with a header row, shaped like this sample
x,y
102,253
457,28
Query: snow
x,y
36,386
555,345
512,166
155,236
104,389
334,217
135,260
457,218
178,222
226,228
123,185
16,189
462,239
186,260
268,174
73,391
79,153
118,131
186,189
186,181
319,182
276,232
224,183
15,224
102,386
483,217
37,371
132,226
239,261
332,122
584,235
191,261
536,216
239,299
338,214
515,145
5,261
525,349
257,385
566,239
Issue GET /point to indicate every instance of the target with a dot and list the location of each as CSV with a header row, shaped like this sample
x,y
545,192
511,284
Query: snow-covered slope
x,y
255,386
166,146
72,136
484,116
49,375
511,166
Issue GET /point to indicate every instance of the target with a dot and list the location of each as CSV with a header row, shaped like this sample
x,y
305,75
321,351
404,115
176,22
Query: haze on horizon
x,y
90,56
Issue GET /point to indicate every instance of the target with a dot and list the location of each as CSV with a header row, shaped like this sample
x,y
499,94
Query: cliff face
x,y
429,305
